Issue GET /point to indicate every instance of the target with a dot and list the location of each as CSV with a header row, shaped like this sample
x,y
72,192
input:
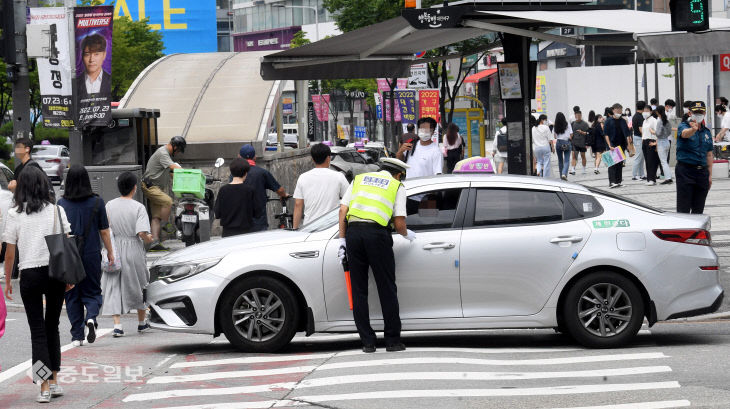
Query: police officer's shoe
x,y
395,347
368,349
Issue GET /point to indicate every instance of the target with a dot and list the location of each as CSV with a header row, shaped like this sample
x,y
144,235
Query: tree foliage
x,y
135,45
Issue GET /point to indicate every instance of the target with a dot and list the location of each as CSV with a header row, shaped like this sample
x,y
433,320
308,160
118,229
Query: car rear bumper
x,y
700,311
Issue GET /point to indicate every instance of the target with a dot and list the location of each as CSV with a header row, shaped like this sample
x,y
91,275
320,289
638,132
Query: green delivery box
x,y
190,181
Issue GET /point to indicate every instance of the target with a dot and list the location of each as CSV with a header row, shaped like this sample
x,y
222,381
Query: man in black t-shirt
x,y
260,180
235,202
23,146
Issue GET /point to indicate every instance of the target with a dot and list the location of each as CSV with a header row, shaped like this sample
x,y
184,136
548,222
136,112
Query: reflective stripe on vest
x,y
373,197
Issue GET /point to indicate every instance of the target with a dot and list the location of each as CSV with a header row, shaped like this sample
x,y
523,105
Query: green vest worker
x,y
371,203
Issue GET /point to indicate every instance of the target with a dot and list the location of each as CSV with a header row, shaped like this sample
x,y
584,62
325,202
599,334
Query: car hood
x,y
222,247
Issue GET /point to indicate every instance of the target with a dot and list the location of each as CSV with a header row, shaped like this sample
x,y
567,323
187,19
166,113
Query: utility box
x,y
104,180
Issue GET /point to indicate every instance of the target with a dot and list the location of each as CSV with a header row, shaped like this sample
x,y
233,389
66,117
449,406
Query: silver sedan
x,y
491,252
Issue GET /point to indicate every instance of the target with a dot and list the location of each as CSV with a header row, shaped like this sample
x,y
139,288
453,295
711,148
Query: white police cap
x,y
393,163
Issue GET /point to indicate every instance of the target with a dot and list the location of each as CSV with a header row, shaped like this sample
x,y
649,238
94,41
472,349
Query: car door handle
x,y
566,239
433,246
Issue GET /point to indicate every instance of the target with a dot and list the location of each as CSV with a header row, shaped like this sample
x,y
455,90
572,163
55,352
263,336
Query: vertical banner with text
x,y
540,94
310,121
54,74
407,102
401,83
321,106
93,32
428,104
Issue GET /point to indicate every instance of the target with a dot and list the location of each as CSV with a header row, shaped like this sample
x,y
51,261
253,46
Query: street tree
x,y
135,45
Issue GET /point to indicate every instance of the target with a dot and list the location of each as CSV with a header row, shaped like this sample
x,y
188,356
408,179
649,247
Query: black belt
x,y
365,224
697,167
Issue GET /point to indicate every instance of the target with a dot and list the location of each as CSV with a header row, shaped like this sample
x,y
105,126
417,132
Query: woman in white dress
x,y
123,289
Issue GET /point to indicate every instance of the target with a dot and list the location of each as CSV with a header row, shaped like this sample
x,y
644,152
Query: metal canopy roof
x,y
386,49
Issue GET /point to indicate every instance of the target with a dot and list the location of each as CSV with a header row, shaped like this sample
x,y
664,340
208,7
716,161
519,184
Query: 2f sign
x,y
724,62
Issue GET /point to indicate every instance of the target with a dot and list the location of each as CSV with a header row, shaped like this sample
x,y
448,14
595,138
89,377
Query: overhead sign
x,y
724,62
360,132
187,26
54,74
567,31
442,17
419,76
93,32
690,15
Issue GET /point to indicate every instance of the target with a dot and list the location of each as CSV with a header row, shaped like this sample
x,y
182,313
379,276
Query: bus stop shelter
x,y
387,49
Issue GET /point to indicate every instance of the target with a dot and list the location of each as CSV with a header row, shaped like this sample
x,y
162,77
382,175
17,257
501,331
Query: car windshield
x,y
45,150
623,199
322,223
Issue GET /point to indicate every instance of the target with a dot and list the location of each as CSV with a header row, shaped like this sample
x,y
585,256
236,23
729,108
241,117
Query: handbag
x,y
632,150
64,262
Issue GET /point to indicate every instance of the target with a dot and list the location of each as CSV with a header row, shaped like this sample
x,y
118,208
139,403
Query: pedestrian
x,y
122,289
653,102
32,218
23,147
685,112
319,190
694,161
260,180
638,168
87,216
724,102
155,184
723,135
372,202
500,147
543,144
453,147
572,116
669,107
424,157
649,145
563,135
617,136
663,135
580,133
235,202
599,141
409,136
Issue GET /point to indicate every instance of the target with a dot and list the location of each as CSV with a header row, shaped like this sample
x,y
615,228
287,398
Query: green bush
x,y
6,129
57,136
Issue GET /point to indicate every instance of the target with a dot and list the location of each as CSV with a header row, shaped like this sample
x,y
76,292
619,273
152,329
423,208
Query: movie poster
x,y
93,29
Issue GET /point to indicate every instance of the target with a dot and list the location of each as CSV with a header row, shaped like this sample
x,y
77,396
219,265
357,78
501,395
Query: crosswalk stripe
x,y
251,360
640,405
426,393
231,374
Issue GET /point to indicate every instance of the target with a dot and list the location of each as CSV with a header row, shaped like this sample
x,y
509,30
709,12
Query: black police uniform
x,y
693,177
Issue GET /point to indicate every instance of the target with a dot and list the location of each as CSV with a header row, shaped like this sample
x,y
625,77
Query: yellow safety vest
x,y
373,197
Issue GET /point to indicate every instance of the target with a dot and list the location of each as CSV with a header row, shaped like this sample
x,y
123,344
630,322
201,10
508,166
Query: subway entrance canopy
x,y
387,49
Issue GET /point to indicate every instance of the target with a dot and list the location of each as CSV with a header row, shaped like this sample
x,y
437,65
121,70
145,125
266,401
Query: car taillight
x,y
709,268
691,236
190,207
53,160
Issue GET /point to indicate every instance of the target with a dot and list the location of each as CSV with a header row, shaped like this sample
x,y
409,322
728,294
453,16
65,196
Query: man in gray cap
x,y
373,203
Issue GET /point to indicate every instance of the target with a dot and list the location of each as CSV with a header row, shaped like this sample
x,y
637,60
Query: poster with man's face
x,y
93,64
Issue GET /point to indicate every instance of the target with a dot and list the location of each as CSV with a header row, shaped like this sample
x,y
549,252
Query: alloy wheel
x,y
605,310
258,315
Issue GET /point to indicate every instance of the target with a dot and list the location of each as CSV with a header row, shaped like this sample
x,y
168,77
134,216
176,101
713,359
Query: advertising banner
x,y
310,121
378,105
287,106
401,83
93,36
428,104
419,76
540,94
54,74
407,102
321,106
187,26
360,132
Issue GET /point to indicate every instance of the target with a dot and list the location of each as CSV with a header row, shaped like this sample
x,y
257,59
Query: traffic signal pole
x,y
21,86
75,138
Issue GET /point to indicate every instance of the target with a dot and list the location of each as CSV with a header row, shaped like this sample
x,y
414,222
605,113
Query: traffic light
x,y
690,15
7,42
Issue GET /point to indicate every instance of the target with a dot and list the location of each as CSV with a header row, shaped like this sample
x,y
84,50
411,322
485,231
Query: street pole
x,y
230,25
21,87
75,140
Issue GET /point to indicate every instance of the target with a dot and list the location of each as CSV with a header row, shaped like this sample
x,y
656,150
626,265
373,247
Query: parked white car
x,y
53,159
491,252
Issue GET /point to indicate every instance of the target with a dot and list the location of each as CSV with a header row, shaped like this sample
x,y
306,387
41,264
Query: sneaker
x,y
619,184
564,177
43,397
635,178
613,185
157,247
652,183
143,328
584,171
572,171
368,349
596,171
56,390
395,347
643,178
78,342
91,335
118,333
667,182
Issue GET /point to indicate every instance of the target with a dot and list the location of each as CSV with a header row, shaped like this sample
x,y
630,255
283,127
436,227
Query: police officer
x,y
372,202
694,161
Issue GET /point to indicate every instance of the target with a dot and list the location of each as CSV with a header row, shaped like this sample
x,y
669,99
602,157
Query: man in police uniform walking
x,y
694,161
371,203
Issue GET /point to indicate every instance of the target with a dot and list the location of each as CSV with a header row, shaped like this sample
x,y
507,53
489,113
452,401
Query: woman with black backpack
x,y
87,215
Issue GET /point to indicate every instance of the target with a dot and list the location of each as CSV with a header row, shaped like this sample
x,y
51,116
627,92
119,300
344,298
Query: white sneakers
x,y
78,342
56,390
651,183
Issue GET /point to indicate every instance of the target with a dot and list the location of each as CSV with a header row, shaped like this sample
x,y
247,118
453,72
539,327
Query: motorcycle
x,y
193,216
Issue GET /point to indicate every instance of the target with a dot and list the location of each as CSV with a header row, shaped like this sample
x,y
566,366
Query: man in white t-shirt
x,y
424,159
319,190
723,135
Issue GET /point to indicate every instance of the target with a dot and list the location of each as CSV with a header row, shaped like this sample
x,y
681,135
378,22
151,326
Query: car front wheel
x,y
603,310
259,314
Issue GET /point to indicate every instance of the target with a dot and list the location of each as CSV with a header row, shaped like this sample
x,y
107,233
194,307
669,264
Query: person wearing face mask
x,y
649,145
617,135
424,158
637,169
654,102
694,161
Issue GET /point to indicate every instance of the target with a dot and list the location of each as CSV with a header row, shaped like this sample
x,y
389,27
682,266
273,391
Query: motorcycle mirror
x,y
219,162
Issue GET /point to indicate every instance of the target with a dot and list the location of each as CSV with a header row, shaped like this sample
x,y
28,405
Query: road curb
x,y
715,316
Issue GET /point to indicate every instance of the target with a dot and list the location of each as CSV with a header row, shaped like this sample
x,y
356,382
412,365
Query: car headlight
x,y
170,273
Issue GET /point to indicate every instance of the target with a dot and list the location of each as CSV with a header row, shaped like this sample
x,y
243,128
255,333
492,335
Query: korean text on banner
x,y
360,132
378,105
401,83
428,104
407,103
321,107
54,74
540,94
93,32
613,156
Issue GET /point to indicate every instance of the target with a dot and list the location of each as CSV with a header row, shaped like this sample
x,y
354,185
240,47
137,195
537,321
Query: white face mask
x,y
424,135
617,116
698,118
670,113
645,114
653,107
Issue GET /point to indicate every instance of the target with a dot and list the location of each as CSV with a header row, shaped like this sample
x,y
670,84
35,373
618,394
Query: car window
x,y
586,205
347,157
64,153
432,210
322,223
516,206
358,159
623,199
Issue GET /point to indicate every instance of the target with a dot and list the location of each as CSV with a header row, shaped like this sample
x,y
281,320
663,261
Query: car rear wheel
x,y
259,314
603,310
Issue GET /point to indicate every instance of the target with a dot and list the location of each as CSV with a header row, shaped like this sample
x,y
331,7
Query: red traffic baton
x,y
348,283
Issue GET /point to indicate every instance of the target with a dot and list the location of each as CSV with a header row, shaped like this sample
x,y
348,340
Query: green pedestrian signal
x,y
690,15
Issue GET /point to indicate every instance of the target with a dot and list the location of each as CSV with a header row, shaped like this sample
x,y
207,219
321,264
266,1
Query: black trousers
x,y
615,172
45,339
651,158
371,246
86,294
693,183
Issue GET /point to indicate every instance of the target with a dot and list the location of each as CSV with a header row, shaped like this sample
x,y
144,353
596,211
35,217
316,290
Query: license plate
x,y
188,218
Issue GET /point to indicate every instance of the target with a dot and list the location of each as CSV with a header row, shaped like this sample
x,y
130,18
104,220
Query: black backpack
x,y
502,143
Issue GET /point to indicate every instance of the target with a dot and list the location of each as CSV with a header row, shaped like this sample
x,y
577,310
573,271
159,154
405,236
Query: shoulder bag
x,y
64,262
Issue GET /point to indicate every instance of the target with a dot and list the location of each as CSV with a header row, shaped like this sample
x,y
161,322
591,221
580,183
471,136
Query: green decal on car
x,y
607,224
